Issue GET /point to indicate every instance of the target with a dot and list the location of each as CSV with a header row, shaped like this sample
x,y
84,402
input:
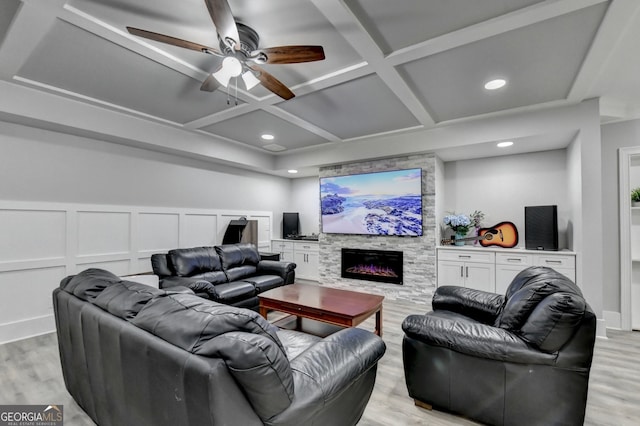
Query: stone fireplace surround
x,y
419,255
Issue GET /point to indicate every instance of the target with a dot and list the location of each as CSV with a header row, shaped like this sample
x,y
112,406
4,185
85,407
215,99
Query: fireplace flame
x,y
372,270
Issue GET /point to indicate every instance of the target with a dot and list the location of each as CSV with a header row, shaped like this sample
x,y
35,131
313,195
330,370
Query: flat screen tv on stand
x,y
290,225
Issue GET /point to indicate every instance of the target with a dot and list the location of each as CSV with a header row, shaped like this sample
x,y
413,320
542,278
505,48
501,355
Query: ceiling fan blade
x,y
272,83
210,84
172,40
224,21
289,54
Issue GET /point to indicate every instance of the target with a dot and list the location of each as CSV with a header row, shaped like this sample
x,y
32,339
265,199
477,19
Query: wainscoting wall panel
x,y
158,231
42,243
199,229
102,233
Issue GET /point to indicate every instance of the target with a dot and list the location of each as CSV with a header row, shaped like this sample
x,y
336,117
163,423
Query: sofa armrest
x,y
477,304
464,335
326,368
284,269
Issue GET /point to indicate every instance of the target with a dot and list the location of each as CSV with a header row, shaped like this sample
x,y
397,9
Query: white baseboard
x,y
613,319
31,327
601,328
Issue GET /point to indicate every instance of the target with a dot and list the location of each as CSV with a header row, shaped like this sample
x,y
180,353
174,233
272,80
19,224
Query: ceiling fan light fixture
x,y
250,80
231,67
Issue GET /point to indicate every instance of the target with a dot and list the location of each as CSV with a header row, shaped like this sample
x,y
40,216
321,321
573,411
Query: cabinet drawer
x,y
281,245
467,256
306,247
514,259
555,261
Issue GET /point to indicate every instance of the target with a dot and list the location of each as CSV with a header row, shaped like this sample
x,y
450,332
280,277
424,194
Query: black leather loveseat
x,y
232,274
132,354
519,359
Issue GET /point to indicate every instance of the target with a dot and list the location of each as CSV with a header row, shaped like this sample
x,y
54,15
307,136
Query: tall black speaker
x,y
290,225
541,227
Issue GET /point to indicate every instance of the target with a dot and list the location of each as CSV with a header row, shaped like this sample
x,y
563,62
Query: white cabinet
x,y
304,253
467,269
565,264
508,265
285,248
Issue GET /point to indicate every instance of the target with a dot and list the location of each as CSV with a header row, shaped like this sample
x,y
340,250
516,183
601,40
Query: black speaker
x,y
541,227
290,225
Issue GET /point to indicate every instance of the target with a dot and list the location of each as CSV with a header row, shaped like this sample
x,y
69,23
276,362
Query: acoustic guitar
x,y
504,234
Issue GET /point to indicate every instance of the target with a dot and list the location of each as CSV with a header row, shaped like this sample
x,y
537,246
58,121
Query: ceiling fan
x,y
239,48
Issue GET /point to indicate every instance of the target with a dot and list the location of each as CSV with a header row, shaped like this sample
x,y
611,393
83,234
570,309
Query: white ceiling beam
x,y
511,21
348,25
608,37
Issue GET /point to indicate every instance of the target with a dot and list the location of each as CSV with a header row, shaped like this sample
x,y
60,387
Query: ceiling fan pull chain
x,y
228,99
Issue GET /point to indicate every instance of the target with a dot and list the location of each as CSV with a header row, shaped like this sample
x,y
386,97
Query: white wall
x,y
39,165
69,203
501,187
305,199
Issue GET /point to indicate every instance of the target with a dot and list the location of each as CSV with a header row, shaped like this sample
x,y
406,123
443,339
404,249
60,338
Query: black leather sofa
x,y
132,354
519,359
232,274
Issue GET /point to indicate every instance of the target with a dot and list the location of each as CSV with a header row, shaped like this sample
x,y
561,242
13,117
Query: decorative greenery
x,y
635,194
460,223
476,219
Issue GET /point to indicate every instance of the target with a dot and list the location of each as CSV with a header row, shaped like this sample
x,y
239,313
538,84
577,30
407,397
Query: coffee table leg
x,y
263,312
379,322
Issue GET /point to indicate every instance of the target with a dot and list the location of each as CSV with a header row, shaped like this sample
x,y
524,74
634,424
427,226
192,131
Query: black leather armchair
x,y
519,359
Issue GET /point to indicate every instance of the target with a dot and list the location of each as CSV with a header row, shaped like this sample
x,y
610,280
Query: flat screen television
x,y
381,203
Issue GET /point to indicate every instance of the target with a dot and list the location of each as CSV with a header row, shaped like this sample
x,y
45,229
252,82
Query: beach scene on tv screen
x,y
383,203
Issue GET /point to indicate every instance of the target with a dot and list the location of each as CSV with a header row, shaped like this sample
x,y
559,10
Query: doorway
x,y
629,172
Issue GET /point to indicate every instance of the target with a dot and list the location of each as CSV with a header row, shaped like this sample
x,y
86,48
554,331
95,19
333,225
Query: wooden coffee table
x,y
339,307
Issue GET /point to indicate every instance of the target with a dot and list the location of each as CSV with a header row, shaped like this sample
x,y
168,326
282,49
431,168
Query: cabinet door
x,y
505,274
307,264
287,256
450,273
480,276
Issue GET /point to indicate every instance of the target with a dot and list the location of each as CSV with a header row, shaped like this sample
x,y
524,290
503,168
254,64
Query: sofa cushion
x,y
191,261
188,321
240,272
125,299
231,292
214,277
528,289
88,284
553,321
235,255
264,282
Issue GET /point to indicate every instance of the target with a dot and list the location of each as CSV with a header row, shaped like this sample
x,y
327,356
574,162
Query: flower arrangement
x,y
635,195
460,223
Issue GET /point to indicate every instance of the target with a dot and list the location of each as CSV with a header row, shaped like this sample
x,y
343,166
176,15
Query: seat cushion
x,y
231,292
263,283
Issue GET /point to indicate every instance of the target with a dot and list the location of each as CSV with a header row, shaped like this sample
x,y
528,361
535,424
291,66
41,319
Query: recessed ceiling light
x,y
267,137
495,84
504,144
292,171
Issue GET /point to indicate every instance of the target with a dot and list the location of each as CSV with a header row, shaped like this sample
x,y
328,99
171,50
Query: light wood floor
x,y
30,374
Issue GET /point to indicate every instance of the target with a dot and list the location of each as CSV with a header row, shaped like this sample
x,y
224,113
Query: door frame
x,y
624,163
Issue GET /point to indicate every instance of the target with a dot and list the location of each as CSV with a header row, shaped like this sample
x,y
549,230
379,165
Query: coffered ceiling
x,y
390,67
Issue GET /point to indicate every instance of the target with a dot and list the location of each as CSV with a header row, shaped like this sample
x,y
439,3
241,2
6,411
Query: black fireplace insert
x,y
372,265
